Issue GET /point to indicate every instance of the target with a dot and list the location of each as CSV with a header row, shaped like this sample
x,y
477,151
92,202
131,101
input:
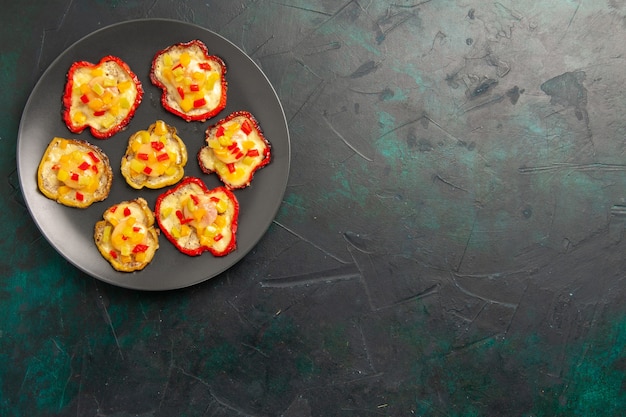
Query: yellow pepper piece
x,y
220,221
160,128
98,89
167,60
124,86
221,206
63,175
165,213
106,233
185,59
97,72
79,117
186,104
124,103
95,104
137,166
140,257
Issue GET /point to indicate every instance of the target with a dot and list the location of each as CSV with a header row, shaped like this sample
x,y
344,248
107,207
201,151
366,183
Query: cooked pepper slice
x,y
196,220
235,149
193,82
102,96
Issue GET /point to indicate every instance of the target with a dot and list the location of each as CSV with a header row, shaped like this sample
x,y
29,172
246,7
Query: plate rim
x,y
22,176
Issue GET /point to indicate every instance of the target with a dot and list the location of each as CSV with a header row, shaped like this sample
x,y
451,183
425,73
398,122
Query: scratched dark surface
x,y
451,240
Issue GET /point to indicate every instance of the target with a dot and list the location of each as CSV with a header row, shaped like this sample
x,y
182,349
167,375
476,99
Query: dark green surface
x,y
450,242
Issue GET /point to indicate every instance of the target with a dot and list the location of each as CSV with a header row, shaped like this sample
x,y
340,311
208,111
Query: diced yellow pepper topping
x,y
95,104
79,117
124,86
97,72
63,175
124,103
185,59
160,128
167,60
137,166
98,89
140,257
106,233
109,82
221,206
165,213
186,104
220,221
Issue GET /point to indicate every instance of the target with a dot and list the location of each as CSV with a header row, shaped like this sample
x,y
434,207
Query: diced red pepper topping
x,y
231,168
84,98
181,92
85,165
215,199
79,196
218,237
179,65
94,168
179,214
140,248
113,254
253,152
233,146
113,209
99,113
147,170
194,87
142,156
199,103
187,220
157,146
124,237
195,199
126,211
163,157
245,127
74,177
93,157
219,132
240,155
205,66
55,167
136,228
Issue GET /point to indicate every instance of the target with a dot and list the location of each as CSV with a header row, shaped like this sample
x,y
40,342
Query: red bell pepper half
x,y
102,104
193,82
235,149
196,219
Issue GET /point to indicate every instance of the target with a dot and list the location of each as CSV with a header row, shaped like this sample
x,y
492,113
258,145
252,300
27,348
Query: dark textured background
x,y
451,240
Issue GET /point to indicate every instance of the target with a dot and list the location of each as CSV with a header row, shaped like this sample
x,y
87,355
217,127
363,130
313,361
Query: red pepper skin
x,y
67,98
196,251
165,100
253,124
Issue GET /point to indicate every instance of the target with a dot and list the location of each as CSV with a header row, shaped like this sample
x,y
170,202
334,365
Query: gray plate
x,y
70,230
